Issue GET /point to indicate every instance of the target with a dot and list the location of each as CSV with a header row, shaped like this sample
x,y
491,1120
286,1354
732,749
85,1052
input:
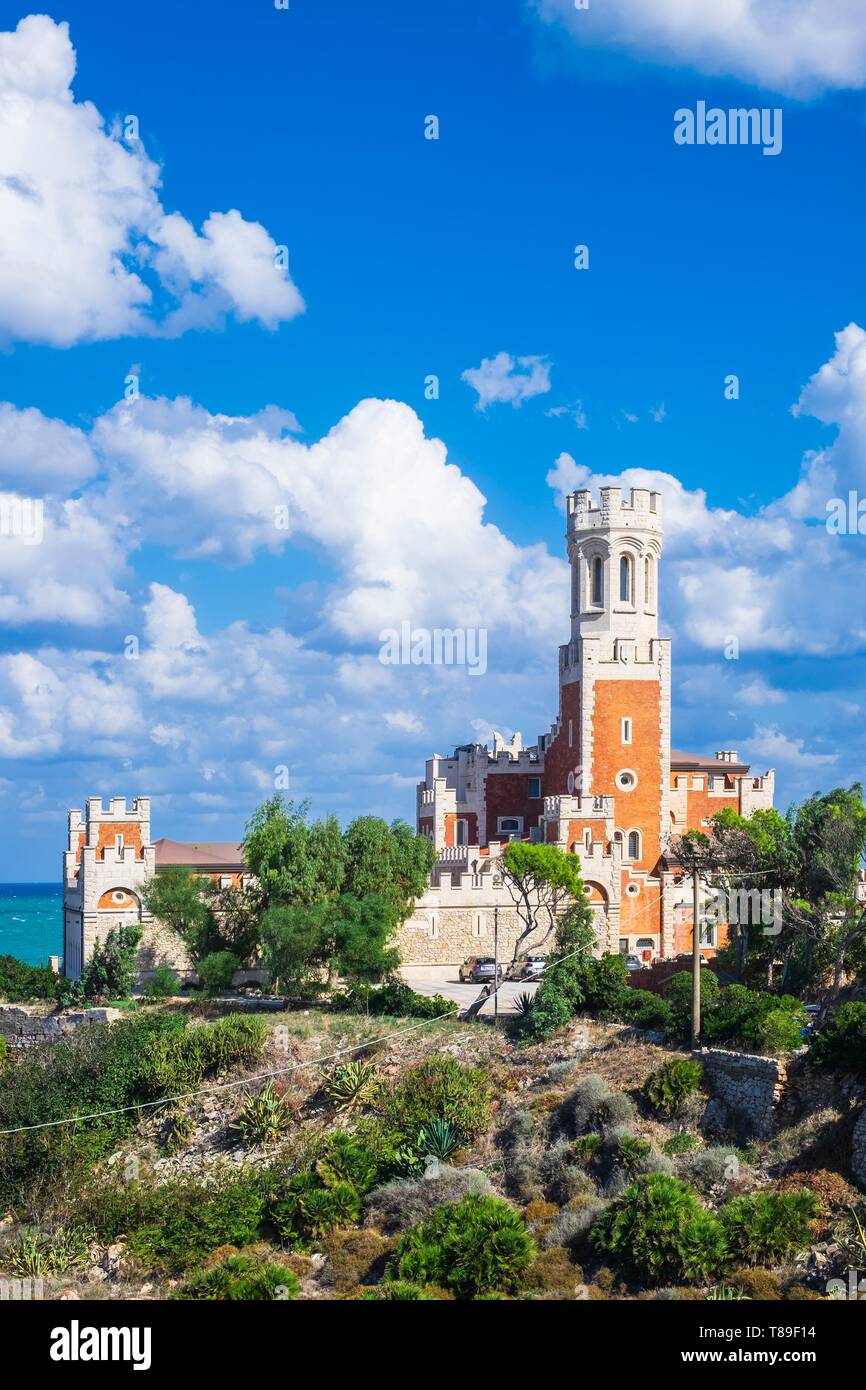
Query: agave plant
x,y
263,1116
39,1253
722,1293
439,1138
523,1002
352,1084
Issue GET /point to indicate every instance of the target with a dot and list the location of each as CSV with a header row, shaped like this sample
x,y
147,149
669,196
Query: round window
x,y
626,780
632,889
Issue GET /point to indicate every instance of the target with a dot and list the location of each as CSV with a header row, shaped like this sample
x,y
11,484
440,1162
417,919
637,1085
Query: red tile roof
x,y
199,855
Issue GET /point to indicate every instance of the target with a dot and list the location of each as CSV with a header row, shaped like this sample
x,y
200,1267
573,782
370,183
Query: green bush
x,y
766,1227
396,1291
440,1088
643,1009
241,1278
105,1068
841,1043
263,1116
177,1060
176,1225
19,982
218,970
110,971
581,984
594,1106
163,984
477,1246
659,1231
667,1088
4,1051
678,995
681,1143
395,999
330,1191
755,1019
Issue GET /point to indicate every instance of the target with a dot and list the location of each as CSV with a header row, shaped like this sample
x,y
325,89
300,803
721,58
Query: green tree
x,y
390,862
361,929
295,861
542,880
295,946
176,897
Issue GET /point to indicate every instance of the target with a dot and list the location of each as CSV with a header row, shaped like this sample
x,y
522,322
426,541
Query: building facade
x,y
603,783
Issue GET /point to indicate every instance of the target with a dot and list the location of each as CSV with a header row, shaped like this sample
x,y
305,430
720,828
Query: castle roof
x,y
199,854
696,762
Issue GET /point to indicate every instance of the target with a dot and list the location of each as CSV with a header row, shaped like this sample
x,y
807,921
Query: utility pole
x,y
496,967
696,959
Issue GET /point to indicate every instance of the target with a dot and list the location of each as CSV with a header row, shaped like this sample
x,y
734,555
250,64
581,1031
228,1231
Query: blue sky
x,y
410,257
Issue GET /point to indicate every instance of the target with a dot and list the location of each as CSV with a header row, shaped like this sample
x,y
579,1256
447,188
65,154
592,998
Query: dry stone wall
x,y
24,1026
744,1091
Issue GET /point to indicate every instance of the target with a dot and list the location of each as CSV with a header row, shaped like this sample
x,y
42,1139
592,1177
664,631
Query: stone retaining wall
x,y
744,1091
24,1026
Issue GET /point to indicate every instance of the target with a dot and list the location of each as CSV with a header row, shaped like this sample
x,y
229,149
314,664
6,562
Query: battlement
x,y
118,810
578,807
642,511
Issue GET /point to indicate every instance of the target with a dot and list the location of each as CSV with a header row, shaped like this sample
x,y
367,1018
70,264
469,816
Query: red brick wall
x,y
507,794
616,700
559,759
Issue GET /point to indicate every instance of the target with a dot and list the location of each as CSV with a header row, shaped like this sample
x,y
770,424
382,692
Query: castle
x,y
603,784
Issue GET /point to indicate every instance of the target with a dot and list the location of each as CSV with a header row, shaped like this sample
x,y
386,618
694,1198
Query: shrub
x,y
110,971
678,995
841,1043
587,1146
659,1231
174,1226
478,1246
263,1116
756,1019
241,1278
681,1143
667,1088
439,1138
352,1083
163,984
37,1254
102,1068
4,1051
354,1257
177,1131
717,1165
560,1173
177,1059
571,1229
330,1192
393,998
594,1105
396,1291
553,1271
643,1009
767,1227
218,970
440,1088
19,982
404,1202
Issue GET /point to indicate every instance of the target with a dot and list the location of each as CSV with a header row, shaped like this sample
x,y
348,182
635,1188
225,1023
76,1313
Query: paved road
x,y
443,979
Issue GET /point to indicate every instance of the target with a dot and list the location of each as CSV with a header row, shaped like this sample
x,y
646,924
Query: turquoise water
x,y
31,921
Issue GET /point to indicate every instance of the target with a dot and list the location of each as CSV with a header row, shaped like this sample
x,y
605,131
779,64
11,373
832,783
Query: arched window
x,y
598,581
626,579
634,844
461,832
648,582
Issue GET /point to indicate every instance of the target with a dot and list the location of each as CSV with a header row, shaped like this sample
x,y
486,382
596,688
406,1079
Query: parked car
x,y
533,967
633,962
481,969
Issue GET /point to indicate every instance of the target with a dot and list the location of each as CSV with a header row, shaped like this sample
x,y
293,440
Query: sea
x,y
31,921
